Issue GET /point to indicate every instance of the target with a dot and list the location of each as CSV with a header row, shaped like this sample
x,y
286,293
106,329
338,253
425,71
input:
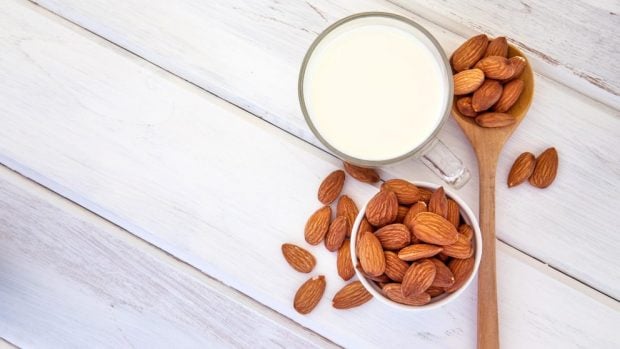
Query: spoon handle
x,y
488,329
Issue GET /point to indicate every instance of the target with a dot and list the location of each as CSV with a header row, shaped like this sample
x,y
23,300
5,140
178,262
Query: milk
x,y
375,88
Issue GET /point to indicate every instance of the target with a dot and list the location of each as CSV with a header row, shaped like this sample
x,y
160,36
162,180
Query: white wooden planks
x,y
249,53
6,345
218,188
69,279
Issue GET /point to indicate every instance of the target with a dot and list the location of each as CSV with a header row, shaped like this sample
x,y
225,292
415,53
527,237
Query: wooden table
x,y
155,158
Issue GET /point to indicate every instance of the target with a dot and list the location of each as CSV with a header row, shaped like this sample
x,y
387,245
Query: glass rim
x,y
327,31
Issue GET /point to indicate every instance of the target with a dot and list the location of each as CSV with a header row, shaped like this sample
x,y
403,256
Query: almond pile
x,y
486,80
540,171
415,246
412,243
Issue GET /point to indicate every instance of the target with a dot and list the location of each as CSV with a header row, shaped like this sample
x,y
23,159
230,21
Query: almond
x,y
382,209
522,169
454,215
461,249
395,267
394,236
337,233
464,106
443,275
442,257
364,228
495,67
467,231
497,47
317,225
416,208
331,187
362,174
435,291
371,255
344,265
346,207
439,203
380,278
402,212
546,169
425,194
495,119
394,292
467,81
510,95
298,258
434,229
518,64
418,251
469,52
486,95
406,192
351,295
309,294
418,278
461,269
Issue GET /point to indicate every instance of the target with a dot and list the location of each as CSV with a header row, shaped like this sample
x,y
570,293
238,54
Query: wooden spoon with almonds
x,y
487,144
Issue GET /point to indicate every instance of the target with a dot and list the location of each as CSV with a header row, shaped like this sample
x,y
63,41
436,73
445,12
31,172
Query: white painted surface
x,y
69,279
214,54
196,177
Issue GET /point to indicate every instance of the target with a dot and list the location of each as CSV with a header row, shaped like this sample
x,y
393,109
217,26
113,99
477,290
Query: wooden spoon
x,y
488,143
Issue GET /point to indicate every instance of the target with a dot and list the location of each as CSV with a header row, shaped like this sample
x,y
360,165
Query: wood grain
x,y
249,54
70,279
215,187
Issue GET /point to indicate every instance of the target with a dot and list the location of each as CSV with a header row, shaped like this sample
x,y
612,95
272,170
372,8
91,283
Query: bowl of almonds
x,y
415,245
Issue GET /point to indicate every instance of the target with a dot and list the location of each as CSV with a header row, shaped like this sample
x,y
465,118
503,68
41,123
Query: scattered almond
x,y
298,258
495,119
469,52
434,229
394,292
344,264
318,225
546,169
522,169
337,233
406,192
467,81
331,187
362,174
418,278
497,47
394,236
351,295
418,251
346,207
382,209
486,95
309,294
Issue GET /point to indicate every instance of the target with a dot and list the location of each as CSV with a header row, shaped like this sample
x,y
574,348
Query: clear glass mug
x,y
431,151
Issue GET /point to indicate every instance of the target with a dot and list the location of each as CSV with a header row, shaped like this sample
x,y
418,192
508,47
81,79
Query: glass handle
x,y
445,164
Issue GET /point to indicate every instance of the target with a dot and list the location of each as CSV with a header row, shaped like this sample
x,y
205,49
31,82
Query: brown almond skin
x,y
518,64
497,47
344,265
394,236
418,251
443,274
402,212
394,292
464,106
382,209
298,258
331,187
454,215
469,52
439,203
521,169
434,229
347,207
395,268
362,174
380,278
493,120
351,295
418,278
435,291
337,233
467,231
467,81
318,225
510,95
416,208
371,255
406,192
546,169
364,228
461,249
495,67
425,194
461,269
486,95
309,294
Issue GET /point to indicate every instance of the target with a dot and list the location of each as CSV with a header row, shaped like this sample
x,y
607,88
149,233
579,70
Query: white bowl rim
x,y
469,217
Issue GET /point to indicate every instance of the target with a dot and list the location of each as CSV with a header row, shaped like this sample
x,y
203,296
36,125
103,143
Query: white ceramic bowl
x,y
445,298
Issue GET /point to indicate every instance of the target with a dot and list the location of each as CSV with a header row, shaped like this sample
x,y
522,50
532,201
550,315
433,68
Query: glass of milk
x,y
375,88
